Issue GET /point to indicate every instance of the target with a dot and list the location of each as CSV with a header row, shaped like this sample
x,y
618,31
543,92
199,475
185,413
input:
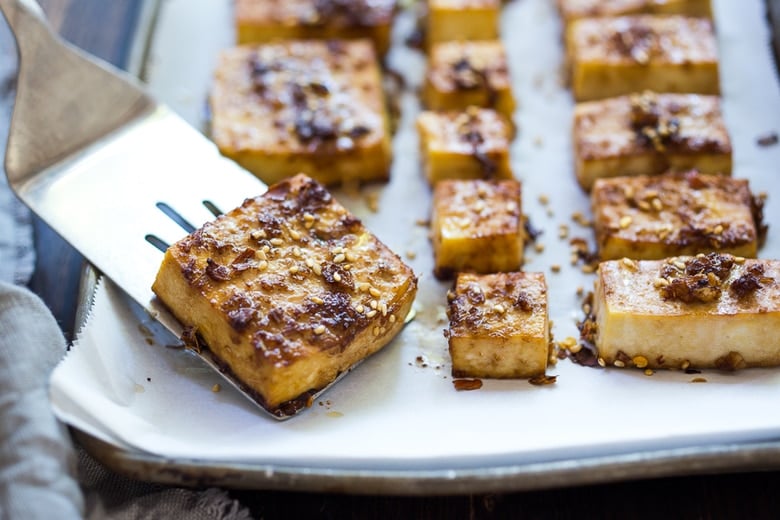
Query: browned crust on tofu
x,y
316,102
502,308
315,19
641,39
650,122
676,214
287,291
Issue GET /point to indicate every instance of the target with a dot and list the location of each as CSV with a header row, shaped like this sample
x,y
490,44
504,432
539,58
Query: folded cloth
x,y
39,474
37,460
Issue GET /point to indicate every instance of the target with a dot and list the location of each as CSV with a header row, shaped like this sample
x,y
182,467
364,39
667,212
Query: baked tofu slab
x,y
313,107
499,325
462,74
472,144
287,292
477,226
615,56
656,217
264,21
707,311
648,134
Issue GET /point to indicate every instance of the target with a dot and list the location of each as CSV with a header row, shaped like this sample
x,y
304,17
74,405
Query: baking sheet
x,y
399,410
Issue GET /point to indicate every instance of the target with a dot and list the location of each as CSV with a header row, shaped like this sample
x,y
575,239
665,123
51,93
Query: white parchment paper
x,y
399,408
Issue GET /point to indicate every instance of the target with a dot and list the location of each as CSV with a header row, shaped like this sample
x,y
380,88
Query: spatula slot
x,y
212,208
176,217
157,242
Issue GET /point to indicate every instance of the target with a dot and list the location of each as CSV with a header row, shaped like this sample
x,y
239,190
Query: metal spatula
x,y
117,174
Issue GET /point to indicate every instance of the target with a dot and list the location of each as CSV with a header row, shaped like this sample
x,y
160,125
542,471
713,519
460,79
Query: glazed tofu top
x,y
294,271
682,209
583,8
462,66
629,125
298,97
711,284
476,130
500,305
642,39
477,208
339,13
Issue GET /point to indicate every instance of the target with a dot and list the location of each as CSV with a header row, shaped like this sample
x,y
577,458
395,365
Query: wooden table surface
x,y
105,28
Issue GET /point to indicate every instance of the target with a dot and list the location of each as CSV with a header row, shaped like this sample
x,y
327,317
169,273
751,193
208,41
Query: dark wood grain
x,y
104,27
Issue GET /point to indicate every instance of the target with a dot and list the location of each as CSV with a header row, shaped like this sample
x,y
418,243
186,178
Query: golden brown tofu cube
x,y
615,56
648,134
477,227
463,74
473,144
264,21
499,325
675,214
574,9
462,20
314,107
287,291
707,311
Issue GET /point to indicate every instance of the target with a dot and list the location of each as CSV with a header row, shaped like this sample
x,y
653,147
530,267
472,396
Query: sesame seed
x,y
392,318
539,247
317,300
294,234
317,269
718,229
580,290
262,265
685,364
588,269
371,314
261,254
575,348
640,361
698,380
411,255
376,331
574,258
679,265
739,259
309,263
660,282
319,329
544,199
373,291
276,241
499,308
336,277
373,304
337,250
628,192
601,362
308,217
643,205
649,372
630,264
619,363
657,204
294,269
296,252
383,308
339,258
555,268
625,222
364,287
350,256
216,388
563,231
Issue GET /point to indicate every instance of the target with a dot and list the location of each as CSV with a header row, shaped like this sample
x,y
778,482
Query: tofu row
x,y
678,286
